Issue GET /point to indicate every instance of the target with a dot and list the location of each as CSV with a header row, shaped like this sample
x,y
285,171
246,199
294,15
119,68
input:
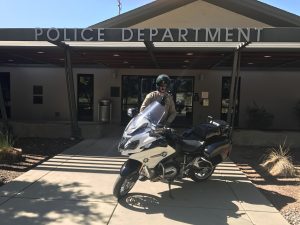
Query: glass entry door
x,y
135,89
85,97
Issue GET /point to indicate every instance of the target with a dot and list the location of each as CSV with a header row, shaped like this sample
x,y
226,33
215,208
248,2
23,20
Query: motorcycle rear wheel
x,y
202,173
124,184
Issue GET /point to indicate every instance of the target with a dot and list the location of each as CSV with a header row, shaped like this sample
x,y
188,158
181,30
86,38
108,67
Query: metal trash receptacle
x,y
104,110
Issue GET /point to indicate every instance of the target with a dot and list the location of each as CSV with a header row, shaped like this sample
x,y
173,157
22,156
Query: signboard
x,y
153,34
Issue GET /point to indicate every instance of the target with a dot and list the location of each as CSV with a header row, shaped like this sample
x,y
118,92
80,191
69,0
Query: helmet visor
x,y
163,84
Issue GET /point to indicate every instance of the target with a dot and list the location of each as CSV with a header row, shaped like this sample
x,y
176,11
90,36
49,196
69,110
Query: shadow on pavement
x,y
185,206
73,206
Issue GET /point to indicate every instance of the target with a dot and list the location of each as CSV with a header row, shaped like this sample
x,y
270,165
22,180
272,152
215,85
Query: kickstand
x,y
170,190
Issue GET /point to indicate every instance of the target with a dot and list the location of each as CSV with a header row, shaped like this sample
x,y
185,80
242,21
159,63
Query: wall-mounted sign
x,y
205,102
152,34
204,94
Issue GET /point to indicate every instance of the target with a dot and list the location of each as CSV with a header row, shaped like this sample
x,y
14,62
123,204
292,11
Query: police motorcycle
x,y
158,153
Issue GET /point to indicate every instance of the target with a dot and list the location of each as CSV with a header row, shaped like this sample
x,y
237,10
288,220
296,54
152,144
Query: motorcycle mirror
x,y
209,119
132,112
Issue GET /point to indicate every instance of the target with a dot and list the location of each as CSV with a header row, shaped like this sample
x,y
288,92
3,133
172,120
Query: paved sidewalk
x,y
75,187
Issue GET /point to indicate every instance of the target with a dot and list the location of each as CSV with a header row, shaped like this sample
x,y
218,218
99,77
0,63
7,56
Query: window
x,y
226,83
37,94
5,84
85,97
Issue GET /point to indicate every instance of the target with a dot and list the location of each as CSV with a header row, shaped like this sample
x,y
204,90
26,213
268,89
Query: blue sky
x,y
79,13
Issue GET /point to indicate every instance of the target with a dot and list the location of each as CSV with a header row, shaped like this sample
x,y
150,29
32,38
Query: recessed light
x,y
125,62
186,61
62,59
267,56
250,63
10,60
116,55
40,52
190,53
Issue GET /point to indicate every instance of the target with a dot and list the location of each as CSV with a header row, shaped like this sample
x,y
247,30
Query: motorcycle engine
x,y
168,171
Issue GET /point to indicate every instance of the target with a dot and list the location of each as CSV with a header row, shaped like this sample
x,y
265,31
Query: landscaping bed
x,y
34,152
283,193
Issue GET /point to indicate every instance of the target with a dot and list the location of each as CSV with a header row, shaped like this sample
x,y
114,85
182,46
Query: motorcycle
x,y
158,153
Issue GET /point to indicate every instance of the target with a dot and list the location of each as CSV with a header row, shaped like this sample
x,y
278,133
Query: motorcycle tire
x,y
199,175
124,184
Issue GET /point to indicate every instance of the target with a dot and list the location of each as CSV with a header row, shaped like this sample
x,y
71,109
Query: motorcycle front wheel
x,y
202,173
124,184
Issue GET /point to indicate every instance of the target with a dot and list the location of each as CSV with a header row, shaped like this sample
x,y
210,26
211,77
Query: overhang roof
x,y
159,55
250,8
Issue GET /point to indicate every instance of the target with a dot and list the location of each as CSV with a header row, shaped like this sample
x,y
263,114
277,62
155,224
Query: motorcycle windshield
x,y
151,115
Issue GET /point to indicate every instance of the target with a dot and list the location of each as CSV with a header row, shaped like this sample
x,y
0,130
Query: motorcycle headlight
x,y
131,145
122,143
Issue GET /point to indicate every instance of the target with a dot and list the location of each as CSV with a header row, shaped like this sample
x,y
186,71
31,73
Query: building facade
x,y
35,90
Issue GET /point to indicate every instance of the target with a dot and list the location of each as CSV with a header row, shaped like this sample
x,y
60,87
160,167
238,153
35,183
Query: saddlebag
x,y
218,147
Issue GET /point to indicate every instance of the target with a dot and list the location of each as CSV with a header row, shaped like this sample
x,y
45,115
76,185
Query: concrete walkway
x,y
75,187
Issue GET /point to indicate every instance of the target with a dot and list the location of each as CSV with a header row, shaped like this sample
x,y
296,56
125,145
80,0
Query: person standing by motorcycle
x,y
162,85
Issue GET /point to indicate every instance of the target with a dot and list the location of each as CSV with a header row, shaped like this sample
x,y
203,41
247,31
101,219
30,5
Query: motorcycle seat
x,y
190,146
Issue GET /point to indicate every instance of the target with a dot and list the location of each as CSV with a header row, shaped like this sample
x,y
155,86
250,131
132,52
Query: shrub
x,y
258,117
6,141
279,162
7,152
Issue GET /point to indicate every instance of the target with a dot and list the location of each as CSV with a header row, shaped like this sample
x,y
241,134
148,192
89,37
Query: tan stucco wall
x,y
54,97
199,14
277,91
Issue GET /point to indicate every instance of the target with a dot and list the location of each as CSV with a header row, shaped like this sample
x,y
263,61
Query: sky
x,y
81,13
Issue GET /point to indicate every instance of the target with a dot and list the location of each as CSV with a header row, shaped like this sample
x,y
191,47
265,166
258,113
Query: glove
x,y
167,124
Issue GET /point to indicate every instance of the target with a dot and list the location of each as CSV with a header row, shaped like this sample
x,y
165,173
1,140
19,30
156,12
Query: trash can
x,y
104,110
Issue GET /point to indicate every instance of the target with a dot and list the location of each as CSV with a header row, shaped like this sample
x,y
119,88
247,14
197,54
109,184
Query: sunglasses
x,y
162,86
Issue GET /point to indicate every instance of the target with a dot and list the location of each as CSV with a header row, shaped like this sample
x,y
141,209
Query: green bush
x,y
6,141
8,154
258,117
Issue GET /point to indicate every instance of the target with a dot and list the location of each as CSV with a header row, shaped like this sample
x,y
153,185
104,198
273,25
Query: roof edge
x,y
260,11
253,9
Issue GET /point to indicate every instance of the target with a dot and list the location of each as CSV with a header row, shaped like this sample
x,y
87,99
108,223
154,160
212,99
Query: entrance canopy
x,y
202,48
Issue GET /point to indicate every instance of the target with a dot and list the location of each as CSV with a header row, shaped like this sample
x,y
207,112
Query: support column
x,y
234,83
236,88
75,130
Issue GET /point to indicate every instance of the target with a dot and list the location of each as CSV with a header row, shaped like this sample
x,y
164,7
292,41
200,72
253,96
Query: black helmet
x,y
162,79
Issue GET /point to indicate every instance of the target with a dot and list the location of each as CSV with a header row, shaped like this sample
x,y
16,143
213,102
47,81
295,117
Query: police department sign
x,y
289,34
152,34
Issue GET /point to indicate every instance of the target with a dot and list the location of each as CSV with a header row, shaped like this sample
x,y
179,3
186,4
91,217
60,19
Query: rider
x,y
162,84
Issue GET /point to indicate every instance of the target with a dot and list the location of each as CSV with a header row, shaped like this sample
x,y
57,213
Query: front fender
x,y
129,167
